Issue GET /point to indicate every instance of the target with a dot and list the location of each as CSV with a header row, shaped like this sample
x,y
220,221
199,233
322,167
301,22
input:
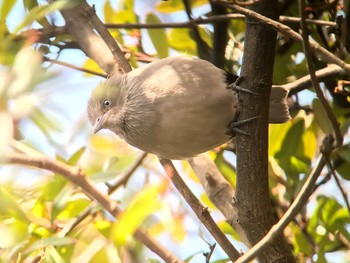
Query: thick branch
x,y
78,24
252,202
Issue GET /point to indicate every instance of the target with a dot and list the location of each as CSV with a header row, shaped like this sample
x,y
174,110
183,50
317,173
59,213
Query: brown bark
x,y
254,212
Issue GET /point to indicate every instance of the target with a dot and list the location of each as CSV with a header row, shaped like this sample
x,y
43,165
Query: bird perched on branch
x,y
176,107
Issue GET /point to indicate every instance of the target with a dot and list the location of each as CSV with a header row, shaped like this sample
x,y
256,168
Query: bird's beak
x,y
99,123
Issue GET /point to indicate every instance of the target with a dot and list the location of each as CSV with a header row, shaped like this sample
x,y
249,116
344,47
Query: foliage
x,y
37,215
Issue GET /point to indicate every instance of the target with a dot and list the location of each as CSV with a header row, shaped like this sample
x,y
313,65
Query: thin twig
x,y
118,55
87,211
77,176
315,83
201,212
300,84
292,211
72,224
296,20
283,29
212,19
337,181
68,65
185,24
124,179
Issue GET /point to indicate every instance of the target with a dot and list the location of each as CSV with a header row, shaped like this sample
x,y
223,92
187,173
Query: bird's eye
x,y
107,103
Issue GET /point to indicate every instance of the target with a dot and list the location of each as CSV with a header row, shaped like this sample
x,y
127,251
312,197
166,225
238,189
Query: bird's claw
x,y
233,126
235,86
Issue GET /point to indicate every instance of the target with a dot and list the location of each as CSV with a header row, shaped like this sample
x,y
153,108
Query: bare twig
x,y
283,29
293,210
186,24
212,19
124,179
296,20
118,55
77,176
78,25
111,188
315,83
204,51
300,84
201,212
337,181
68,65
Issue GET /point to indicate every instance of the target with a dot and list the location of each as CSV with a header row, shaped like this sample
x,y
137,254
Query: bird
x,y
175,108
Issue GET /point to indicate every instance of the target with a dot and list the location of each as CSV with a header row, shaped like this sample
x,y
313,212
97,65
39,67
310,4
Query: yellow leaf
x,y
143,205
93,66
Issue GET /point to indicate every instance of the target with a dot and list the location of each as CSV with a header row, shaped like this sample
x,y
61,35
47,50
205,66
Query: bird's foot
x,y
236,87
235,124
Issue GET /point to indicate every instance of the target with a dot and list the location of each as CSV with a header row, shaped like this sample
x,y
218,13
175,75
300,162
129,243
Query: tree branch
x,y
78,177
68,65
201,211
79,25
292,211
300,84
283,29
123,65
315,83
252,202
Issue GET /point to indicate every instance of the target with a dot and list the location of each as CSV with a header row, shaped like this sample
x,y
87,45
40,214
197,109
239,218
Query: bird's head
x,y
105,105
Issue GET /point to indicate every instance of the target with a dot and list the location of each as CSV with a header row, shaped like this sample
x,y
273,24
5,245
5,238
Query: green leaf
x,y
61,200
321,117
180,40
6,8
226,169
74,159
39,12
52,255
171,6
109,13
158,36
45,123
73,208
9,207
227,229
53,241
344,170
126,5
52,187
277,134
143,205
125,16
291,156
30,4
300,242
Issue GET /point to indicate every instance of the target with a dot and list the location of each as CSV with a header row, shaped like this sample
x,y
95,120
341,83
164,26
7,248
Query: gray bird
x,y
176,107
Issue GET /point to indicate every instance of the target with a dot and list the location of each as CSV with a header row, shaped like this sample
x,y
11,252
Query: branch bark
x,y
254,212
201,211
107,56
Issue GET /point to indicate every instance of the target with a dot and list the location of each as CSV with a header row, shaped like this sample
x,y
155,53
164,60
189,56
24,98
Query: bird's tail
x,y
279,111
